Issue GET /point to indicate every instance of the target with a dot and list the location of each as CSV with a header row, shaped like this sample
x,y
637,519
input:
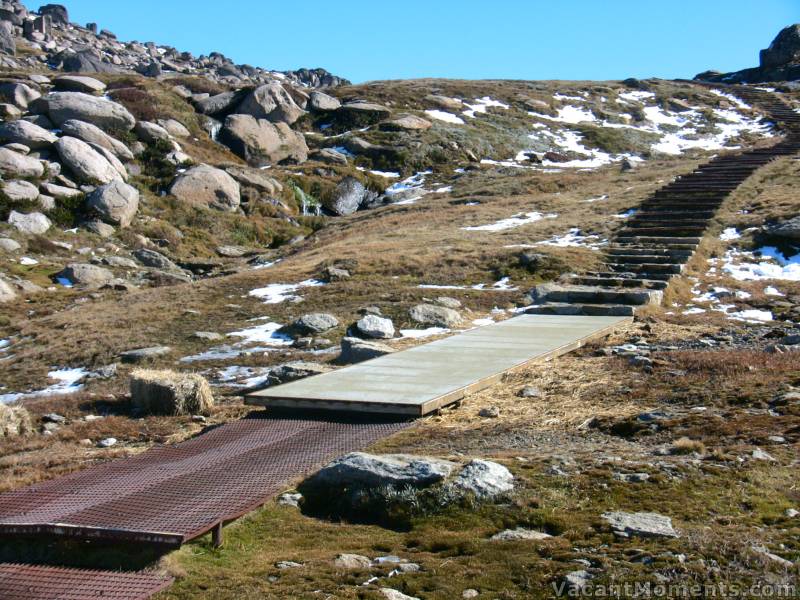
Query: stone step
x,y
648,251
637,259
583,294
659,240
630,275
659,214
646,268
594,310
623,282
632,231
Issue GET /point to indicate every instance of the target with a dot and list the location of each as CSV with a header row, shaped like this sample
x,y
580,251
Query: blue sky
x,y
518,39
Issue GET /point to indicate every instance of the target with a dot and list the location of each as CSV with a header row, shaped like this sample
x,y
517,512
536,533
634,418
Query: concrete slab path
x,y
425,378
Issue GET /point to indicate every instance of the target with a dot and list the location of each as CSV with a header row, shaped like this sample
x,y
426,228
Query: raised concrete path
x,y
425,378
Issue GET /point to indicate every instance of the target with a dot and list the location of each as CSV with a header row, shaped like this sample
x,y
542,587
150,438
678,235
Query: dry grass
x,y
170,393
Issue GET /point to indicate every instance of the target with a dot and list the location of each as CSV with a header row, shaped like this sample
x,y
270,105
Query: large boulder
x,y
8,41
346,198
25,132
57,12
14,164
356,350
156,260
86,61
108,115
92,134
271,102
256,179
361,113
361,469
322,102
151,132
79,83
20,191
484,479
220,104
18,94
207,186
784,49
261,142
435,316
295,370
86,163
115,202
34,223
170,393
86,274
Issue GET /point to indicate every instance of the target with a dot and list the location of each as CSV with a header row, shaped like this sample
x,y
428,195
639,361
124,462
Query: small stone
x,y
759,454
490,412
198,419
107,442
54,418
448,302
142,354
210,336
391,594
288,564
640,524
469,593
576,581
352,561
375,327
530,391
791,513
520,533
290,499
632,477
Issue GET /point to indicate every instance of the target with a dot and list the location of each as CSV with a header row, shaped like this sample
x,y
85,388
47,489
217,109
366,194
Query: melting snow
x,y
423,333
447,117
27,261
480,106
765,263
511,223
574,238
729,234
264,334
68,383
275,293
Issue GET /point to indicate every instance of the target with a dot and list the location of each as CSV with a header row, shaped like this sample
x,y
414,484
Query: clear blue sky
x,y
519,39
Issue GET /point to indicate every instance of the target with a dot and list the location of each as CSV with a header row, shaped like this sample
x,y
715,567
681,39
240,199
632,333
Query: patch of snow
x,y
568,114
627,214
68,383
772,291
597,199
737,101
751,316
573,239
480,106
264,334
511,223
729,234
765,263
28,261
636,96
483,322
447,117
386,174
275,293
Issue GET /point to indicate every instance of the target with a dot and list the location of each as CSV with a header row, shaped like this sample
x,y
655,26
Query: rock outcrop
x,y
261,142
206,185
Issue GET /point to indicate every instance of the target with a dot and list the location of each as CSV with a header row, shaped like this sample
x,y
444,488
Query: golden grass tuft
x,y
170,393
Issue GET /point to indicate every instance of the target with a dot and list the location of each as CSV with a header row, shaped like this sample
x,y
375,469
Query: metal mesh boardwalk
x,y
425,378
26,582
172,494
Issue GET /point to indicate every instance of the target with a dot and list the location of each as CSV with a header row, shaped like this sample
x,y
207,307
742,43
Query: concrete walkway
x,y
425,378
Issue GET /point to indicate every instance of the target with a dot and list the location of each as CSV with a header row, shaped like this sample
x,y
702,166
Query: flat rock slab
x,y
425,378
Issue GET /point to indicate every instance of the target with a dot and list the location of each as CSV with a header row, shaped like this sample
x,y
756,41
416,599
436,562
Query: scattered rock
x,y
142,354
321,102
116,202
359,468
406,123
170,393
375,327
290,499
642,524
789,230
759,454
392,594
9,245
151,258
520,533
8,41
107,442
92,134
331,274
271,102
208,186
209,336
86,274
577,581
34,223
352,561
295,370
356,350
448,302
530,391
485,480
14,420
151,133
470,593
288,564
435,316
490,412
346,198
312,323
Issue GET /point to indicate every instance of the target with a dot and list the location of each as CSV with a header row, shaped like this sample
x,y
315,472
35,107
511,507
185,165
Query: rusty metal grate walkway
x,y
26,582
172,494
